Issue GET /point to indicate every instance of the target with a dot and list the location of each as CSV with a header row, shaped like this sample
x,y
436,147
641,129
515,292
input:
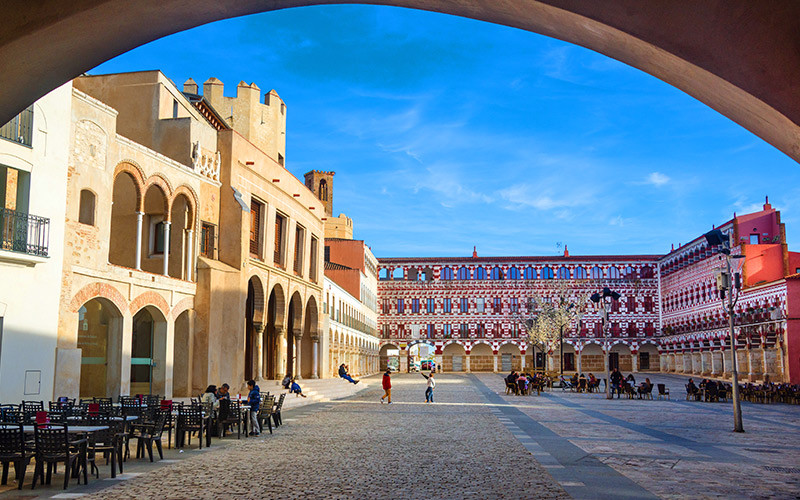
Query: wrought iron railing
x,y
19,129
25,233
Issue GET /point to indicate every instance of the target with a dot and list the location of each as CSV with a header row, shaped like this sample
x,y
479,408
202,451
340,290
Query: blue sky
x,y
447,133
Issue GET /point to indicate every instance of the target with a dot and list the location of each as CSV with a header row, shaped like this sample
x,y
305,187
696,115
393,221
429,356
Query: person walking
x,y
431,386
387,386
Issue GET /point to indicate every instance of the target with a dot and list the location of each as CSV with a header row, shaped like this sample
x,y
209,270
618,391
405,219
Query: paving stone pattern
x,y
358,448
676,448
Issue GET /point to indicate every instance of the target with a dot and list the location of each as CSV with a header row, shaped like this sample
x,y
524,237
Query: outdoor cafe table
x,y
79,429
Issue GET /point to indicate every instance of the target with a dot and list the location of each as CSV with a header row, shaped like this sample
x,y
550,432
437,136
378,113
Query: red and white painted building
x,y
669,317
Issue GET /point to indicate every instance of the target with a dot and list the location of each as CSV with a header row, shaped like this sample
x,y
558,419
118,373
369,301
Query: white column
x,y
315,359
467,359
298,340
167,225
495,361
138,263
578,362
522,362
259,350
189,254
634,362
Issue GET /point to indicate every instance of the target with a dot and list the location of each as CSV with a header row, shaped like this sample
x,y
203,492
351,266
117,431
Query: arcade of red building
x,y
669,317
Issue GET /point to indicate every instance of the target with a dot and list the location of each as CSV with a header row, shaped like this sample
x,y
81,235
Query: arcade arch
x,y
276,310
148,352
453,358
100,342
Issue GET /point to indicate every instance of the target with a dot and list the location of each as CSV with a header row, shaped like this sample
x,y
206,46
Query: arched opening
x,y
275,315
463,273
182,362
87,207
620,358
307,368
453,358
100,342
254,317
592,359
480,273
481,358
323,190
510,358
123,221
294,327
149,352
563,273
649,359
181,229
397,273
497,273
421,357
154,237
389,357
547,273
383,274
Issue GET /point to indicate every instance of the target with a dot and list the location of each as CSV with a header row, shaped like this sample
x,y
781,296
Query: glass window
x,y
463,273
431,305
464,305
480,273
530,273
497,273
630,273
514,304
498,305
479,305
647,272
597,273
463,330
513,273
256,211
447,273
547,273
563,273
280,228
208,239
447,332
86,211
613,273
400,306
414,305
446,305
580,273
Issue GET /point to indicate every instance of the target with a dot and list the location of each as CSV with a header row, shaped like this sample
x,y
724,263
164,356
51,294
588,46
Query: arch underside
x,y
741,58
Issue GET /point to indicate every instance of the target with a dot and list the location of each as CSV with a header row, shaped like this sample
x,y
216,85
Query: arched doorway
x,y
148,352
309,364
509,357
182,358
181,234
453,358
592,359
481,358
275,314
100,342
125,204
294,326
253,314
421,356
620,358
649,359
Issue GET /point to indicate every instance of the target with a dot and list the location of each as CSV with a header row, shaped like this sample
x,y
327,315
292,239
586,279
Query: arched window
x,y
630,273
397,273
497,273
413,274
463,273
426,274
446,273
647,272
580,273
480,273
323,190
547,273
563,273
597,273
530,273
383,274
613,273
86,214
513,273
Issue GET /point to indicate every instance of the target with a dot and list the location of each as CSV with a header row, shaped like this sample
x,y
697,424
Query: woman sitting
x,y
210,396
294,388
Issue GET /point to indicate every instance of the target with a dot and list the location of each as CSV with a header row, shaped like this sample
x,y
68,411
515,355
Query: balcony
x,y
19,129
24,233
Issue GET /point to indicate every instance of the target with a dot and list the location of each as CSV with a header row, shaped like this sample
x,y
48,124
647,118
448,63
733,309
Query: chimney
x,y
190,86
566,252
474,252
767,206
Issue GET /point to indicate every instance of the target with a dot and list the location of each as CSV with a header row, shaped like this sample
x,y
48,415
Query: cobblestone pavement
x,y
676,448
358,448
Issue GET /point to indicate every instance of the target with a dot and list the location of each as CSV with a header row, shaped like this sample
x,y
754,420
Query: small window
x,y
479,305
86,213
415,306
280,229
158,238
446,274
530,273
754,239
547,273
613,273
281,161
174,108
446,305
400,306
299,246
208,240
463,330
464,305
580,273
497,273
256,211
513,273
463,273
323,190
597,273
480,273
312,262
563,273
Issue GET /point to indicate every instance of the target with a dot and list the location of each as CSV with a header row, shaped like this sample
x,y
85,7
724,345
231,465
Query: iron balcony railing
x,y
24,233
20,129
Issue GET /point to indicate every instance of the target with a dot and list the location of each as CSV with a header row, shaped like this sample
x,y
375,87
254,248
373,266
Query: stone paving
x,y
477,442
358,448
677,448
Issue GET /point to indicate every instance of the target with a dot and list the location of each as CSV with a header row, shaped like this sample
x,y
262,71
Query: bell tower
x,y
321,184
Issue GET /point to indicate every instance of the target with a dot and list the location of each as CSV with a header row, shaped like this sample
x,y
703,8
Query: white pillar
x,y
189,254
522,362
298,340
167,225
315,359
138,263
467,358
495,361
634,362
259,350
578,362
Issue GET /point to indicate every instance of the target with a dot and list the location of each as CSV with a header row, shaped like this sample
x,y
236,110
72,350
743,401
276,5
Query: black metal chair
x,y
190,419
13,451
106,442
662,391
266,412
276,415
29,409
148,433
53,446
229,413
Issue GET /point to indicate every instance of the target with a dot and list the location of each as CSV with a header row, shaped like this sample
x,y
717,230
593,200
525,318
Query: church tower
x,y
321,184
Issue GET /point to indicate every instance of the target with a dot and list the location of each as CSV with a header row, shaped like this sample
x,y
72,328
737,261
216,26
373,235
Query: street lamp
x,y
716,238
597,298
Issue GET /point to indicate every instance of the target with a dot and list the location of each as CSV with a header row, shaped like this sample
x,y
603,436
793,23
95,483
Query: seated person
x,y
574,380
593,382
287,381
566,383
224,392
210,396
343,374
582,383
630,379
644,387
522,384
691,389
294,388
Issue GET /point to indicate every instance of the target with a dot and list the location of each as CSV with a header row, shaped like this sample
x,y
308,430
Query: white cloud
x,y
521,196
657,179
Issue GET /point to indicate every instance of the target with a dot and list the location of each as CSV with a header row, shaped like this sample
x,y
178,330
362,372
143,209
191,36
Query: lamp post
x,y
597,298
724,283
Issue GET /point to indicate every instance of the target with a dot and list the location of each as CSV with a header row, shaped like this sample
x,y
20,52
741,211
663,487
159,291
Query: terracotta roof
x,y
337,267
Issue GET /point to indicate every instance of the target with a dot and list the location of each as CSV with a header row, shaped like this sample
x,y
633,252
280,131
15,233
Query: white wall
x,y
30,288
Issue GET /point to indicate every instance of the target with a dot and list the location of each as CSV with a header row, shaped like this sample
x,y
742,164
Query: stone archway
x,y
253,327
309,363
736,56
294,331
453,358
276,312
100,341
148,371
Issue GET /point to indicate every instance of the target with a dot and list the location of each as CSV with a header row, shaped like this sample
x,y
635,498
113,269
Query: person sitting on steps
x,y
294,387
